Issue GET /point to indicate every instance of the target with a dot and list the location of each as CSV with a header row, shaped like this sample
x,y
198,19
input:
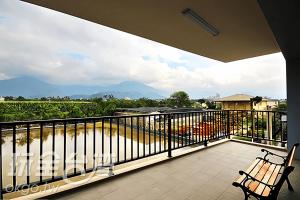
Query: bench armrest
x,y
248,177
273,154
268,161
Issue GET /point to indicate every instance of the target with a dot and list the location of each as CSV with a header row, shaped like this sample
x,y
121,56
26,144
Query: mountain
x,y
126,89
131,89
31,87
26,87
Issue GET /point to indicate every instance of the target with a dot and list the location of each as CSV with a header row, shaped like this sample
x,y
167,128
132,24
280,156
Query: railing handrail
x,y
122,116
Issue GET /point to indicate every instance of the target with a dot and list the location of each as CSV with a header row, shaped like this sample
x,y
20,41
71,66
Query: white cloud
x,y
67,50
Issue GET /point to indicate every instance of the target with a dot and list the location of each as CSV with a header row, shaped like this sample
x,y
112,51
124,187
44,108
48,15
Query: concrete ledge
x,y
283,149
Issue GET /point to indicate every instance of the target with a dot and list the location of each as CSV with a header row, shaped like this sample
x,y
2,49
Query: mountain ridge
x,y
31,87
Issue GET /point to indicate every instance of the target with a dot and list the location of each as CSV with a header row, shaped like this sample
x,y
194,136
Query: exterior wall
x,y
273,104
265,105
260,106
246,105
236,105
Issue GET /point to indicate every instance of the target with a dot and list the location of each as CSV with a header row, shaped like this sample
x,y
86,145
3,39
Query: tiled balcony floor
x,y
206,174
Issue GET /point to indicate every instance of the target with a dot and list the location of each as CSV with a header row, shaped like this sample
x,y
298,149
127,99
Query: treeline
x,y
52,109
19,111
38,110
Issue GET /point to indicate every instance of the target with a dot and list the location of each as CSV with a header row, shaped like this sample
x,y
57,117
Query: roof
x,y
236,97
240,97
243,29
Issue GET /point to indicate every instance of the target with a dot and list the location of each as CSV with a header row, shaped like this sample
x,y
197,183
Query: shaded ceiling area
x,y
244,32
283,17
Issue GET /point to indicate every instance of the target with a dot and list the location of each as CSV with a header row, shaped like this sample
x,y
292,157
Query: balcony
x,y
41,154
204,174
260,27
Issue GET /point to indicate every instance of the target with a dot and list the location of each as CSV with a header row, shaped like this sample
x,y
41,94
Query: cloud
x,y
66,50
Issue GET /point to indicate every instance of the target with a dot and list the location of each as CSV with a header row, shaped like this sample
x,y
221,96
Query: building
x,y
2,99
245,102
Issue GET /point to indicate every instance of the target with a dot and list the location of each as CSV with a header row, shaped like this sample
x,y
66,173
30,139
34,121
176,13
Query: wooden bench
x,y
264,178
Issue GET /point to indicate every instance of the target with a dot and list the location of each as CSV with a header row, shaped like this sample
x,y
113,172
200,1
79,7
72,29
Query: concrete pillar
x,y
293,99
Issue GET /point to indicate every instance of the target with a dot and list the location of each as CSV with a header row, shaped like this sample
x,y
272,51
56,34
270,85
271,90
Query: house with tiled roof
x,y
246,102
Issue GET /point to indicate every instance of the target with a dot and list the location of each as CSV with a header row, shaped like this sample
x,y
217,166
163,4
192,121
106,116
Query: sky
x,y
62,49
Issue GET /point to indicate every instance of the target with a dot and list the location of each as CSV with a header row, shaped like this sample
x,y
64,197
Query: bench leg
x,y
289,185
246,195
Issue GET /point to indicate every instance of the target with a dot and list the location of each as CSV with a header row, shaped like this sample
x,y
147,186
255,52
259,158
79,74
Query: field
x,y
37,110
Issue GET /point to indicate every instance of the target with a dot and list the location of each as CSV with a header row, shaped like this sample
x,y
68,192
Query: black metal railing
x,y
268,127
52,150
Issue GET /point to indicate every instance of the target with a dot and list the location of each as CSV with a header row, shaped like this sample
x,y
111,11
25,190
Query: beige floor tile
x,y
206,174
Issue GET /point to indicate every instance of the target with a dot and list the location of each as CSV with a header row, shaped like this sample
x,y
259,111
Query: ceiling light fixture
x,y
199,20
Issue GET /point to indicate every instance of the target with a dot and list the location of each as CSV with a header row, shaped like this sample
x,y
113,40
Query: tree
x,y
145,102
210,104
256,99
282,106
9,98
20,98
44,99
180,99
201,100
97,100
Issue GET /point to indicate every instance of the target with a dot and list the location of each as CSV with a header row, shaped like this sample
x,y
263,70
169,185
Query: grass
x,y
242,138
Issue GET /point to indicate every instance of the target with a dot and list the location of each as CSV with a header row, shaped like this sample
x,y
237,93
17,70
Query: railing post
x,y
205,130
169,135
228,124
252,126
205,143
1,185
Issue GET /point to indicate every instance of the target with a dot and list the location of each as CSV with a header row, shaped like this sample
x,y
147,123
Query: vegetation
x,y
256,99
180,99
242,138
21,109
282,106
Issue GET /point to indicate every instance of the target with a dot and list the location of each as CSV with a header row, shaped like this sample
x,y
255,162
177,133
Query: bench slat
x,y
266,172
259,176
272,180
249,170
266,179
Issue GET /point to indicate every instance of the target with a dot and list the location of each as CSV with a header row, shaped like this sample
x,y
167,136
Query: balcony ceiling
x,y
244,32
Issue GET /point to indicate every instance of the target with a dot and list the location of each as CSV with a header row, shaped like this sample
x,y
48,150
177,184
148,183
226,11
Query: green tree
x,y
201,100
145,102
282,106
210,104
8,98
180,99
256,100
44,99
76,112
110,109
20,98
